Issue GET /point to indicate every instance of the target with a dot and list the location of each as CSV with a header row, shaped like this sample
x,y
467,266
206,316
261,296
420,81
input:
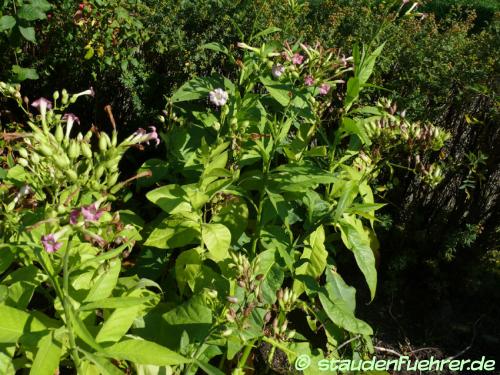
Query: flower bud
x,y
86,151
35,158
74,149
22,162
45,150
227,332
99,171
103,144
23,152
56,95
59,133
65,96
112,179
232,299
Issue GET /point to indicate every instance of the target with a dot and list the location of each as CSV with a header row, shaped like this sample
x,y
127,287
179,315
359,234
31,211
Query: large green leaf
x,y
193,316
234,215
338,290
314,255
7,23
357,240
217,239
29,12
170,198
120,320
28,33
47,357
174,232
279,91
105,283
144,352
14,323
339,313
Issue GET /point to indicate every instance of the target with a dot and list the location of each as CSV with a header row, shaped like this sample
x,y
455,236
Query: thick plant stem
x,y
66,305
246,353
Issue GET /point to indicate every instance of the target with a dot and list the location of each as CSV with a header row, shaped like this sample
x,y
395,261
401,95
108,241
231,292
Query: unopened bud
x,y
232,299
23,152
22,162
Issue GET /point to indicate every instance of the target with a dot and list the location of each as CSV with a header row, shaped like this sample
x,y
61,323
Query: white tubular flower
x,y
89,92
218,97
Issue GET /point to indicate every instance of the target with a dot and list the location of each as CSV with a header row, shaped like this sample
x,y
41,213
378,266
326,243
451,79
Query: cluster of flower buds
x,y
432,174
57,159
11,91
390,127
280,331
286,299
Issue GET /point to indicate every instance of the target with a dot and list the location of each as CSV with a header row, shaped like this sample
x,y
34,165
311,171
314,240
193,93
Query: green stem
x,y
257,224
246,353
66,305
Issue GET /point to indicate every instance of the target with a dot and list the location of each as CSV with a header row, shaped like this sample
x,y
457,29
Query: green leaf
x,y
28,33
22,74
31,13
234,215
357,240
315,255
42,4
217,239
198,88
90,53
6,258
217,47
14,323
353,89
193,316
106,367
366,69
278,91
341,316
338,290
7,23
170,198
144,352
187,269
265,32
47,357
349,192
114,303
208,368
105,283
174,232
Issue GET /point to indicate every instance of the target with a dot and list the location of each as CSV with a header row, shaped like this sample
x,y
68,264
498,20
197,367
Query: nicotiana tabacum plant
x,y
64,303
267,182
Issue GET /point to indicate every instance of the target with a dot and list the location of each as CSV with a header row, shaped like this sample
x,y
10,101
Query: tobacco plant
x,y
261,196
269,178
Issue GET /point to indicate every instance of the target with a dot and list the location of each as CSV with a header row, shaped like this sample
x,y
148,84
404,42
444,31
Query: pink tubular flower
x,y
297,59
50,243
92,212
42,104
324,88
153,136
70,118
73,217
309,81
